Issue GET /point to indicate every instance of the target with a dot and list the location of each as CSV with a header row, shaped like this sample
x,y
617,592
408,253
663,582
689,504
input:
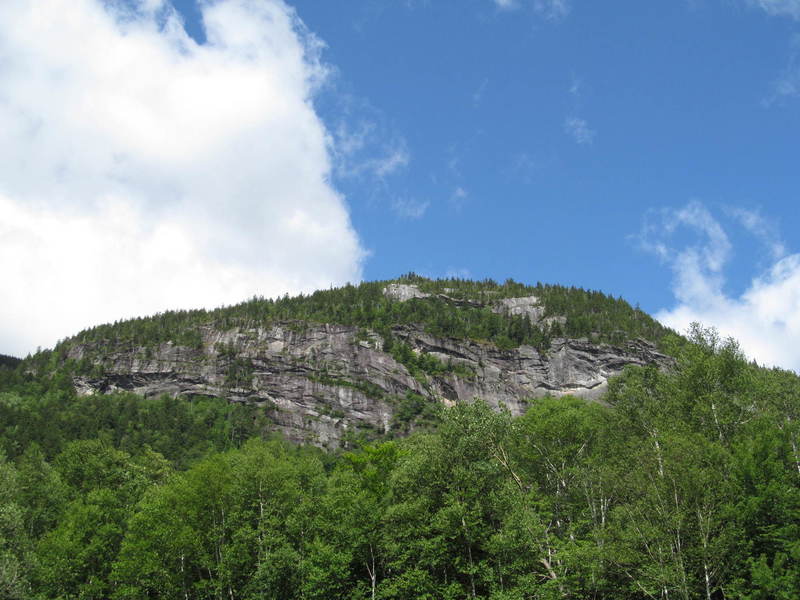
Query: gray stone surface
x,y
526,306
316,382
403,291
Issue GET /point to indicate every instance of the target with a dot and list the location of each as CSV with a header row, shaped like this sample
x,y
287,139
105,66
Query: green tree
x,y
15,545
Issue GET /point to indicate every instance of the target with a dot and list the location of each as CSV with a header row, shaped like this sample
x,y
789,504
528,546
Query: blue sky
x,y
644,149
676,99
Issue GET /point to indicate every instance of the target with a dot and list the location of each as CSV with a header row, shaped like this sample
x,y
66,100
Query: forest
x,y
681,483
8,361
459,308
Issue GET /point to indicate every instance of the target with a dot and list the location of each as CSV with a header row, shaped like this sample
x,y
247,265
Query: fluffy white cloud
x,y
141,171
765,319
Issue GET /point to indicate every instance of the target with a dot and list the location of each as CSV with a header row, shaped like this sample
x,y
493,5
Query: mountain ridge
x,y
374,359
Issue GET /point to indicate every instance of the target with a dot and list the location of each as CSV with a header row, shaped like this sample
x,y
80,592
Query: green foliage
x,y
420,364
179,429
369,389
239,374
9,362
231,525
456,308
414,410
16,545
683,483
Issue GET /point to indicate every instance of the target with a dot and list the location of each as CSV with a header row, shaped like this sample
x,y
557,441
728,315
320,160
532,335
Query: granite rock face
x,y
316,382
526,306
403,291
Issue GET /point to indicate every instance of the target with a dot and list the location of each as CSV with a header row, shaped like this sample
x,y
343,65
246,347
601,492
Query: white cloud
x,y
364,144
550,9
506,4
477,95
765,318
407,208
140,171
787,85
789,8
458,198
578,130
397,158
575,86
765,230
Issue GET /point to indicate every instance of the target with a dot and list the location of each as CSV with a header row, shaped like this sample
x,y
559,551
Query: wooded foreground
x,y
684,484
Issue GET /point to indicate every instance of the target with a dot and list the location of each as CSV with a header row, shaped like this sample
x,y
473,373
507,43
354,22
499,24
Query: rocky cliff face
x,y
319,382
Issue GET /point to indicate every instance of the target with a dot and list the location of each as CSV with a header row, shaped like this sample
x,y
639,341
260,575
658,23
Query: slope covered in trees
x,y
458,308
684,484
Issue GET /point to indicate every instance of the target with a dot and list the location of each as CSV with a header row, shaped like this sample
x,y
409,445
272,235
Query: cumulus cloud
x,y
141,171
578,130
765,318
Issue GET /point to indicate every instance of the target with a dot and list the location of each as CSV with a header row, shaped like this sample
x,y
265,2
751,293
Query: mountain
x,y
371,360
679,480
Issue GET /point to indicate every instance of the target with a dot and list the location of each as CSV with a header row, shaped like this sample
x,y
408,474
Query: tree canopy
x,y
681,484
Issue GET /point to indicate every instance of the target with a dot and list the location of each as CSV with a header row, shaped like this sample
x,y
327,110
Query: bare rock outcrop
x,y
403,292
526,307
318,382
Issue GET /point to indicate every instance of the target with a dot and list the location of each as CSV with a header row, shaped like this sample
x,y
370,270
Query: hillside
x,y
680,482
371,360
455,308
